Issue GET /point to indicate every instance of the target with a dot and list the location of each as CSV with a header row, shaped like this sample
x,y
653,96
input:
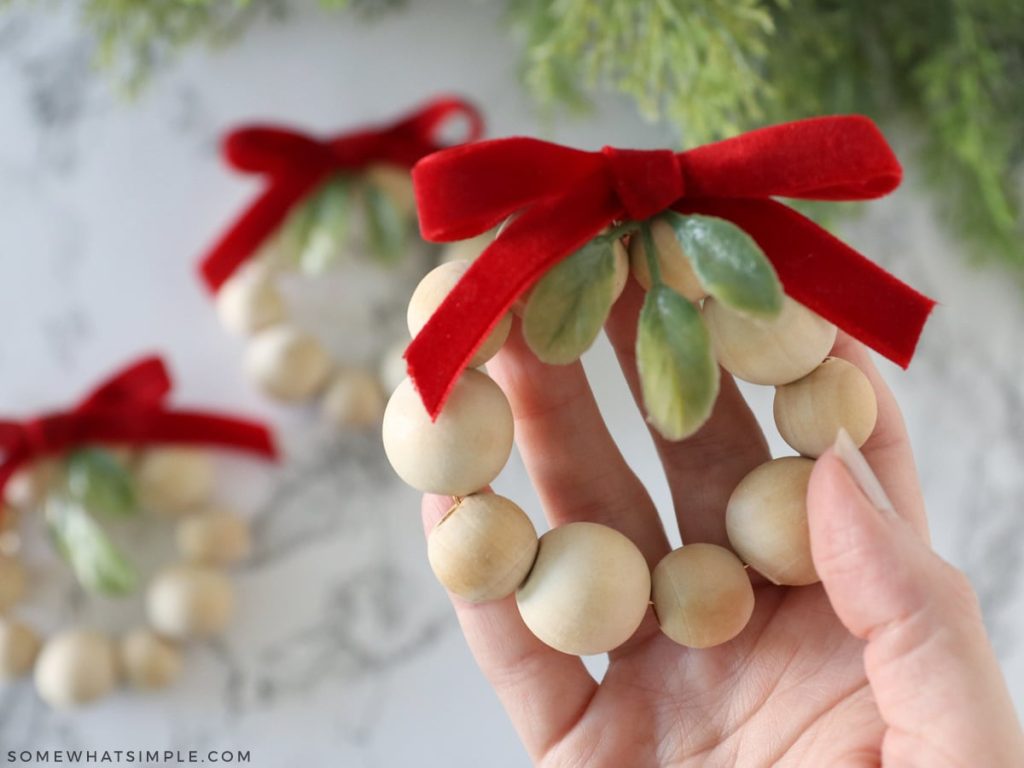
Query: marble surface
x,y
345,652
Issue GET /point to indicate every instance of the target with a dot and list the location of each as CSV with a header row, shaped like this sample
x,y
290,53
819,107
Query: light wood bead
x,y
174,481
250,301
836,395
216,536
676,271
461,452
395,182
588,590
429,294
287,363
482,548
766,519
392,367
190,601
353,399
19,646
27,488
148,661
702,595
76,667
467,250
775,351
12,582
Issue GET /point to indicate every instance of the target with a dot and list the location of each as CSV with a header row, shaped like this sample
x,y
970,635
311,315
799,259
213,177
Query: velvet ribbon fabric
x,y
127,409
295,164
563,197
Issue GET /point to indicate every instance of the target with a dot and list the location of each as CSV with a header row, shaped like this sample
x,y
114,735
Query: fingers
x,y
572,459
703,469
888,449
934,675
544,692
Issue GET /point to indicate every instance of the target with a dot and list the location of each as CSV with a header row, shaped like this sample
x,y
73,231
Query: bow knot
x,y
295,164
646,181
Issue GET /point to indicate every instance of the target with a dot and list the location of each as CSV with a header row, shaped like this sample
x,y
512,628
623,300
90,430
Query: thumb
x,y
931,667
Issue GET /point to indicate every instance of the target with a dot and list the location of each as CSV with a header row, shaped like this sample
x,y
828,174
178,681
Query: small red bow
x,y
127,409
295,164
564,197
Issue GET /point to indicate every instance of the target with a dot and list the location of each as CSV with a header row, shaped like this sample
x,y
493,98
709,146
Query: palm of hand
x,y
790,690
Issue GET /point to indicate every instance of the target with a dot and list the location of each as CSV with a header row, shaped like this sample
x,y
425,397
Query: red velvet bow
x,y
565,197
127,409
295,164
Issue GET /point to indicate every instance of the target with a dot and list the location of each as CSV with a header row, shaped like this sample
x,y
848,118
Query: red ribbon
x,y
295,164
564,197
127,408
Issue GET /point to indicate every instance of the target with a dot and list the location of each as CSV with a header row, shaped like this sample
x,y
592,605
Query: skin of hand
x,y
885,662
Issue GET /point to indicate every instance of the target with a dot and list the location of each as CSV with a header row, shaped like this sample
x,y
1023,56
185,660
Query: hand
x,y
885,661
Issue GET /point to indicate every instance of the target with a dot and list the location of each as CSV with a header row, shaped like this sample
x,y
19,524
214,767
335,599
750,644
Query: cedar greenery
x,y
951,69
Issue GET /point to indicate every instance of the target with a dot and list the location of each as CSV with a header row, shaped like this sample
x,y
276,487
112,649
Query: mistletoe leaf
x,y
678,372
386,228
99,482
98,565
729,264
568,306
330,213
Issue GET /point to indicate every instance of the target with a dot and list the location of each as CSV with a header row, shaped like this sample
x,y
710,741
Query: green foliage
x,y
950,69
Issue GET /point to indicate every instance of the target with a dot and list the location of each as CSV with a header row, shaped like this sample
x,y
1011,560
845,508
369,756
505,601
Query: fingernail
x,y
848,453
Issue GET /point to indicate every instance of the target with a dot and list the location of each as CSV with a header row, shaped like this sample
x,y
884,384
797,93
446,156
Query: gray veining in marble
x,y
345,651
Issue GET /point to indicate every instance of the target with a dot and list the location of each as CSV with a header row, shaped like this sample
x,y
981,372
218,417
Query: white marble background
x,y
345,653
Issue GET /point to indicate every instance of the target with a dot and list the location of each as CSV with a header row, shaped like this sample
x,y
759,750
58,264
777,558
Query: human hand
x,y
886,661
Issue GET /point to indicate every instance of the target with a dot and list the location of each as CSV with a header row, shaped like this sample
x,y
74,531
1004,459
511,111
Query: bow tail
x,y
828,276
258,223
533,242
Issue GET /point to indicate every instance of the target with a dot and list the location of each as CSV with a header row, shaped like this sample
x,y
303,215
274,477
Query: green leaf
x,y
293,235
568,306
330,216
386,228
98,565
678,372
100,483
728,263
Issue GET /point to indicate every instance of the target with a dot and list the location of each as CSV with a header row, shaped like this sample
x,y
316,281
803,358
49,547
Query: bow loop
x,y
272,150
646,181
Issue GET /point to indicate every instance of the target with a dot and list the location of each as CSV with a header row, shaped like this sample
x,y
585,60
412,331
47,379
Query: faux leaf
x,y
386,228
678,372
99,482
728,263
98,565
569,305
292,237
330,212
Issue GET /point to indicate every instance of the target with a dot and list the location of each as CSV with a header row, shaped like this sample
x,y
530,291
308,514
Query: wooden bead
x,y
775,351
428,296
392,367
76,667
353,399
836,395
467,250
702,595
396,183
216,536
149,662
174,481
287,363
249,301
766,519
482,548
676,271
19,646
12,582
190,601
27,488
588,590
461,452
